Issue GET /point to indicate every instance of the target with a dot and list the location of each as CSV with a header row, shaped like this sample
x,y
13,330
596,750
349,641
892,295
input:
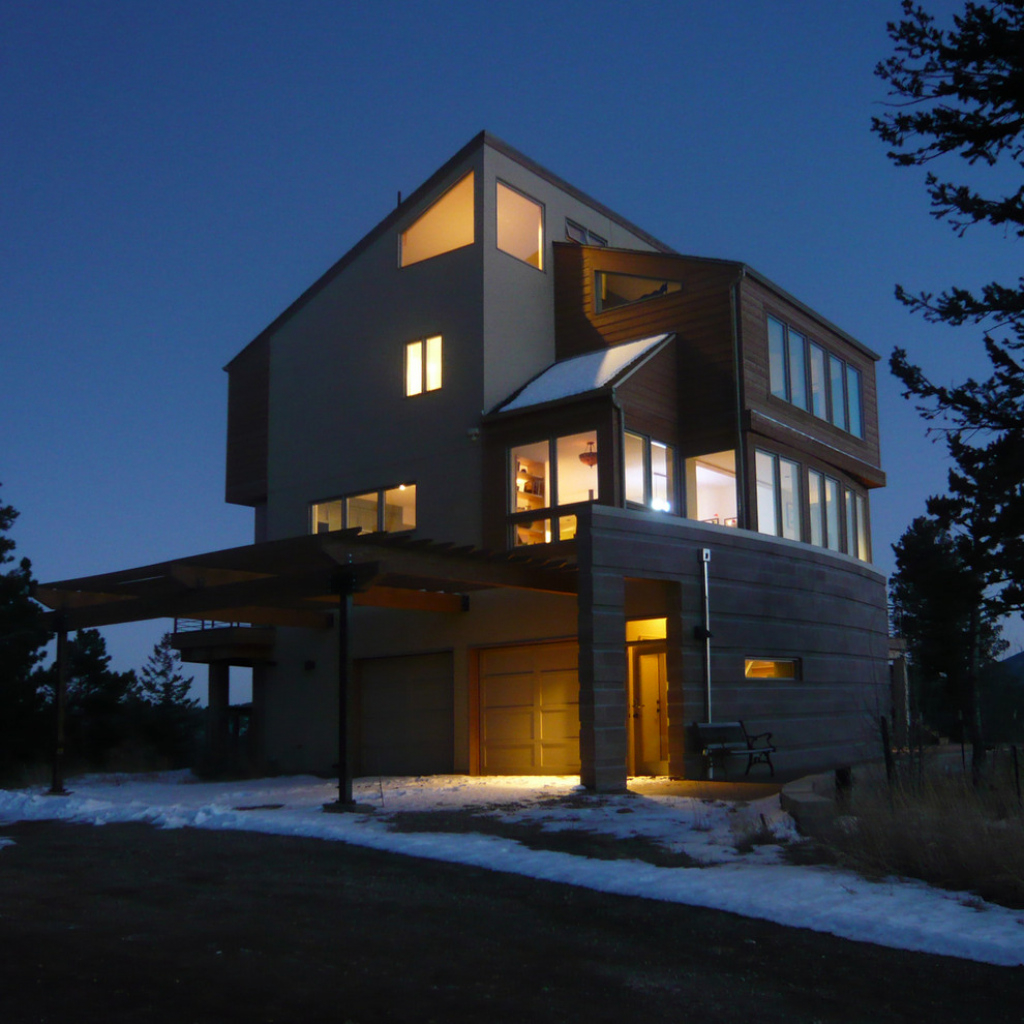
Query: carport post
x,y
60,703
346,587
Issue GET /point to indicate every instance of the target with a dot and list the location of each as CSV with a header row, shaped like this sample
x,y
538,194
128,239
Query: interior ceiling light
x,y
589,457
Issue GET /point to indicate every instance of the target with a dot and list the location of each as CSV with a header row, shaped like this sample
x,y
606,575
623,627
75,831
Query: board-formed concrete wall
x,y
768,598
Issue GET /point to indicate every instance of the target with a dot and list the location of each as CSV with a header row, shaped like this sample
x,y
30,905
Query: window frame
x,y
422,345
599,306
552,512
343,500
836,374
647,469
402,265
777,460
500,183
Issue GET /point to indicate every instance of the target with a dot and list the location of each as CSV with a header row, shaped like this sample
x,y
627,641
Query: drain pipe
x,y
705,630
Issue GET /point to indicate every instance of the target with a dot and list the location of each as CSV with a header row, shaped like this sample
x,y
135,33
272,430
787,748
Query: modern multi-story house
x,y
588,491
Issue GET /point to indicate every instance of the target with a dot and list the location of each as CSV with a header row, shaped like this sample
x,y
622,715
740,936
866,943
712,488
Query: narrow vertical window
x,y
777,358
797,370
789,498
576,472
635,474
863,549
816,504
662,477
853,400
819,392
850,538
837,379
423,366
520,226
414,368
832,513
432,369
765,471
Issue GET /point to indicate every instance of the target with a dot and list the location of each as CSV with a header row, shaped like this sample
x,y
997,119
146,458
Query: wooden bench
x,y
720,741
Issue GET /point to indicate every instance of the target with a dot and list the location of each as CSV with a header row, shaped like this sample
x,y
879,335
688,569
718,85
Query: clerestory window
x,y
448,224
388,510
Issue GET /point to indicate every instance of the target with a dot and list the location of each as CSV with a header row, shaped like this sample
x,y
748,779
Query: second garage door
x,y
529,710
405,715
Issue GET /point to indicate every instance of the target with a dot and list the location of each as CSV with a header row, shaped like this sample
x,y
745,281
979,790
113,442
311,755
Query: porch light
x,y
589,457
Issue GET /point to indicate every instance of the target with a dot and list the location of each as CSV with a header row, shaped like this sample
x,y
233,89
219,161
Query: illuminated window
x,y
388,510
638,630
711,488
448,224
649,473
620,289
778,495
423,365
856,541
823,504
771,668
535,487
520,226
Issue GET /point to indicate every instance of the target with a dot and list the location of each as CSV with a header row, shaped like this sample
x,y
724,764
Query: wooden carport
x,y
310,582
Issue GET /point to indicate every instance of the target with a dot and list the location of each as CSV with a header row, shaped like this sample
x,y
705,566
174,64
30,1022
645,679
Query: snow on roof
x,y
580,374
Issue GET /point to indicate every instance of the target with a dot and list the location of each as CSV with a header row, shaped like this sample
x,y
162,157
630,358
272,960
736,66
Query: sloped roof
x,y
580,374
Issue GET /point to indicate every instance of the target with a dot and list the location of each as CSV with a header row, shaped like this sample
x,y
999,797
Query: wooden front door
x,y
647,710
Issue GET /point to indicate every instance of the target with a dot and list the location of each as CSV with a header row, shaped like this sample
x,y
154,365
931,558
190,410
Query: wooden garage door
x,y
404,712
529,710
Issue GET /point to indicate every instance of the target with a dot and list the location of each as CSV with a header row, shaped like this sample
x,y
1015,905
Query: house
x,y
585,491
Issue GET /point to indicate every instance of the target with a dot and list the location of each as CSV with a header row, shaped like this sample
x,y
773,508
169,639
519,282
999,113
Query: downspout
x,y
705,631
737,369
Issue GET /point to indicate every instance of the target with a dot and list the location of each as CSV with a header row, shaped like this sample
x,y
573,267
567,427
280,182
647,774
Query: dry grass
x,y
937,828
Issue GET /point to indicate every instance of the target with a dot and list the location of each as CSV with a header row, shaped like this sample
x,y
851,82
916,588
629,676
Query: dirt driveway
x,y
126,923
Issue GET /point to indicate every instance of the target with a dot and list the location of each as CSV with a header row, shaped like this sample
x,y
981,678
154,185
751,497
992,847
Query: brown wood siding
x,y
650,397
700,316
757,301
248,421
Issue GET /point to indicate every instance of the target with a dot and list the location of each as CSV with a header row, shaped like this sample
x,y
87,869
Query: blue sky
x,y
173,175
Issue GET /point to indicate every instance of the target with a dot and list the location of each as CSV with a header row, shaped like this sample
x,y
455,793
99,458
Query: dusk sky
x,y
175,174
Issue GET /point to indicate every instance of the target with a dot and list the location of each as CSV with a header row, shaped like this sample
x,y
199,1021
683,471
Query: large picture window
x,y
548,474
388,510
520,226
802,373
449,224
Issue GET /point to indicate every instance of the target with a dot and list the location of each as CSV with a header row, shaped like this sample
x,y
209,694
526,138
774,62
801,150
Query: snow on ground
x,y
898,913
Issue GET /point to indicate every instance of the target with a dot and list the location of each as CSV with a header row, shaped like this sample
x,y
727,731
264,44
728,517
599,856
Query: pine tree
x,y
939,604
160,682
960,92
23,639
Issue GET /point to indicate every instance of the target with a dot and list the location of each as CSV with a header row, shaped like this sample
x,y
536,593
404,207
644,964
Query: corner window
x,y
423,365
649,473
447,225
388,510
778,495
520,226
546,475
613,290
711,488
